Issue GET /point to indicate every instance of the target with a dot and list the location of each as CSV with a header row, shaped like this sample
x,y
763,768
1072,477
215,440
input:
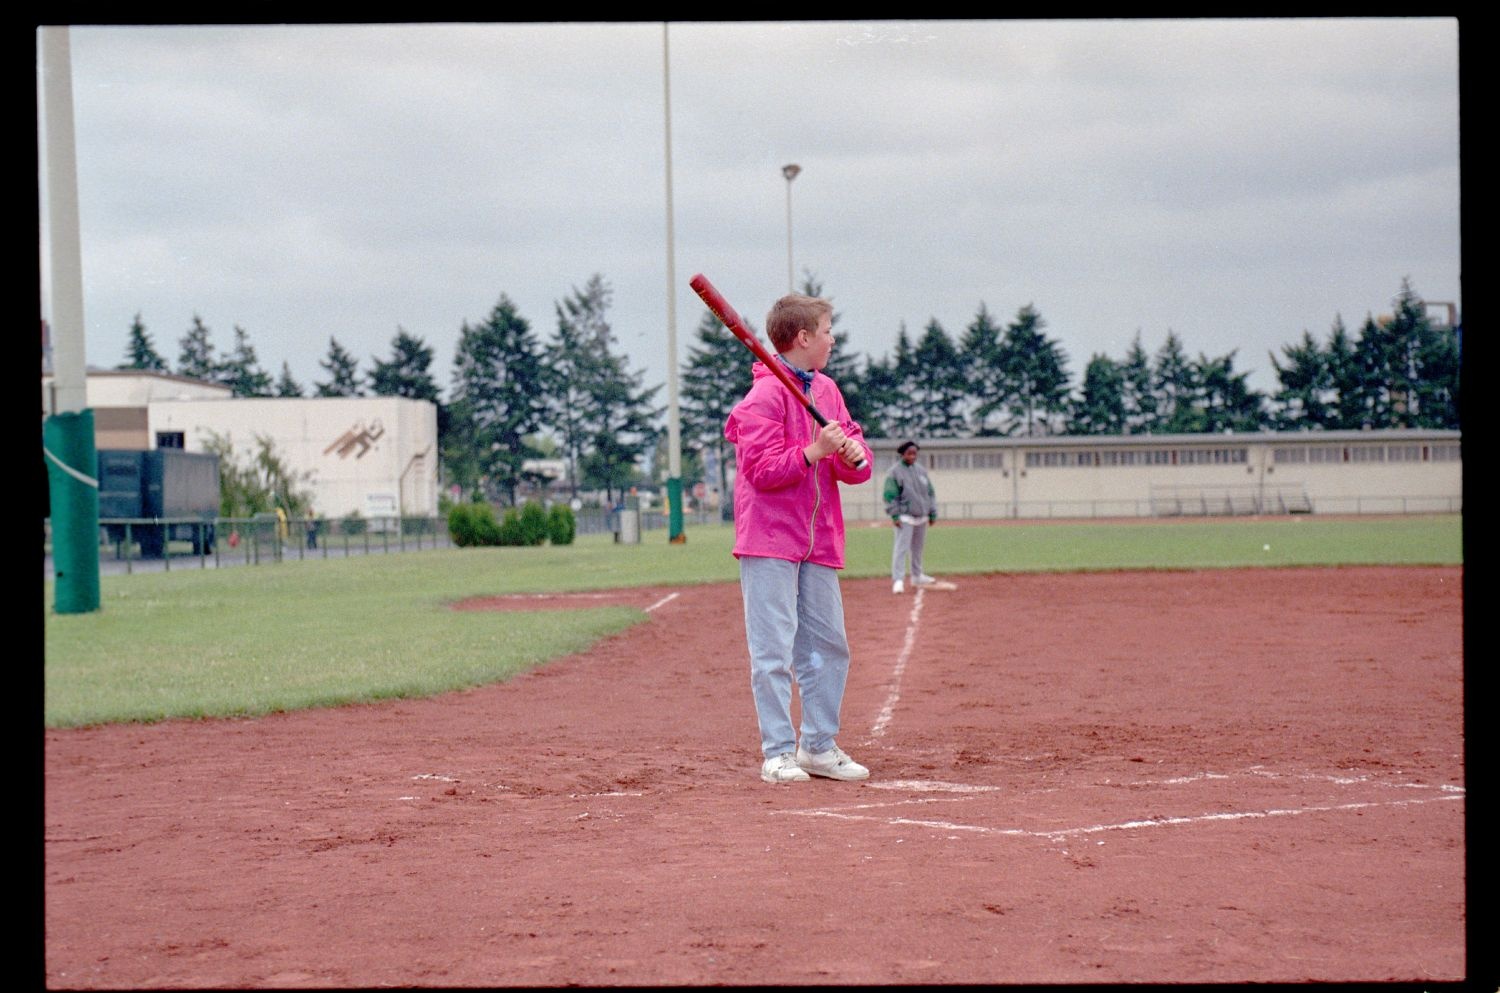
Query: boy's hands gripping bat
x,y
737,327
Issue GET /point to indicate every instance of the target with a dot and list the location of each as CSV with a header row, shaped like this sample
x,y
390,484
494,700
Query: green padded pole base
x,y
73,493
674,512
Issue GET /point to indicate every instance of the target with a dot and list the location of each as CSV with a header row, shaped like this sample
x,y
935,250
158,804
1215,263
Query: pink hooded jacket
x,y
784,508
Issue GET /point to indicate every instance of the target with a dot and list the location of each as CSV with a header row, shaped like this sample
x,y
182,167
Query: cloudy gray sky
x,y
1233,181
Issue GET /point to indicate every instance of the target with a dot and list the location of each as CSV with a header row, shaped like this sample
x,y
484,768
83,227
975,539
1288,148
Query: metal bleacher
x,y
1228,501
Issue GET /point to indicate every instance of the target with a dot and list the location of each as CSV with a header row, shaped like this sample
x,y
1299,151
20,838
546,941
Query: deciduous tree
x,y
257,481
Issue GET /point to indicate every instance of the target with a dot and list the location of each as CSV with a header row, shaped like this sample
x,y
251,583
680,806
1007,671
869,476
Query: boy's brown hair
x,y
791,314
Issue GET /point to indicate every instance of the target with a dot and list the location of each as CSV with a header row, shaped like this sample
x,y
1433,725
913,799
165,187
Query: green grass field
x,y
259,639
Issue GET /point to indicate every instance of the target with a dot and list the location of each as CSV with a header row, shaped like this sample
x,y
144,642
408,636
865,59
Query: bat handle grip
x,y
817,415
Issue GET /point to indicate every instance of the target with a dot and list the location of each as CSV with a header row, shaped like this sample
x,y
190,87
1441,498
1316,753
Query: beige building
x,y
371,456
374,456
119,398
1325,472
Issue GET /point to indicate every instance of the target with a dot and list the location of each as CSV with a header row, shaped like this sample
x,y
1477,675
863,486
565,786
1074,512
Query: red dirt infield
x,y
1129,777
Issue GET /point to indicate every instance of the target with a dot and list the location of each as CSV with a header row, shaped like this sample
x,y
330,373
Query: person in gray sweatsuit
x,y
911,503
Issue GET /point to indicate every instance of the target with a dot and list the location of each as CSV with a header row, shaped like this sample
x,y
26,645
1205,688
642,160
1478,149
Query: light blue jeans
x,y
794,623
910,540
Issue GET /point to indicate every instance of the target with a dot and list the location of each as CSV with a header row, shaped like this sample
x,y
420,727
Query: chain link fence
x,y
155,544
128,545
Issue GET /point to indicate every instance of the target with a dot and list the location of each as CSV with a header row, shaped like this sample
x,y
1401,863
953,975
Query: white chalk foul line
x,y
663,601
558,596
1150,822
588,596
894,696
1349,779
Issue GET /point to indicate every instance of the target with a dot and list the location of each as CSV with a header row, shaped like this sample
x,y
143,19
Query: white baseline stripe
x,y
1351,779
558,596
586,596
891,700
1123,826
663,601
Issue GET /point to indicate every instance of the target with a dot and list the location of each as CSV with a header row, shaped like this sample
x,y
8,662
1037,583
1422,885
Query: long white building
x,y
1325,472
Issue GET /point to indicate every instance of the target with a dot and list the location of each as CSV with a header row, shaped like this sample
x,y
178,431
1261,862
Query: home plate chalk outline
x,y
961,792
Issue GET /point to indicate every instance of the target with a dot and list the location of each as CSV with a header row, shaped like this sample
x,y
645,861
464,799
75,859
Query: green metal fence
x,y
266,538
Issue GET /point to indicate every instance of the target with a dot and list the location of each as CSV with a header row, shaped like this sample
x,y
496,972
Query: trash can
x,y
629,530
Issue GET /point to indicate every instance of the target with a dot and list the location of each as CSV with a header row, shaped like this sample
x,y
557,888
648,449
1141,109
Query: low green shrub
x,y
562,526
473,525
529,525
533,524
512,531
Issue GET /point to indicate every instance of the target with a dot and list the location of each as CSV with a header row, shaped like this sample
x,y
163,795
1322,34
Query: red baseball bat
x,y
731,320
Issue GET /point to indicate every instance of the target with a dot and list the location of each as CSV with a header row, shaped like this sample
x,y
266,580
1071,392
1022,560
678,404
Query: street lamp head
x,y
790,171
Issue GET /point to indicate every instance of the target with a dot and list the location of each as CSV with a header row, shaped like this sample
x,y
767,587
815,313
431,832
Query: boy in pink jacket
x,y
789,540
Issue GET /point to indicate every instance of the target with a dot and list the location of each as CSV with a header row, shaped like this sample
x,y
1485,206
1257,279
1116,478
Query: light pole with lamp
x,y
790,172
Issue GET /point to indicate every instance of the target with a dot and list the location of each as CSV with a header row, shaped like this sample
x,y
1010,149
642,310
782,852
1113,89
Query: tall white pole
x,y
790,280
65,265
68,431
790,172
674,426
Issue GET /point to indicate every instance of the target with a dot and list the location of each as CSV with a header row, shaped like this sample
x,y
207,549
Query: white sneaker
x,y
783,769
898,587
832,764
923,581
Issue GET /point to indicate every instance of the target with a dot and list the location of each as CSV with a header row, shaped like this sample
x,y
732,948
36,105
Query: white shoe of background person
x,y
898,587
783,769
832,764
923,580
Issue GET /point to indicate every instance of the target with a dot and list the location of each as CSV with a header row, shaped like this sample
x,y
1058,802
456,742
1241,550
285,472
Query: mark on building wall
x,y
360,436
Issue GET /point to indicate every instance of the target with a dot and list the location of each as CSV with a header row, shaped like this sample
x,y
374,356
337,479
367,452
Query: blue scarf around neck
x,y
806,377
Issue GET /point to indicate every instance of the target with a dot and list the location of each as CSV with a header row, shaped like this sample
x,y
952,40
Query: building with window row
x,y
1317,472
